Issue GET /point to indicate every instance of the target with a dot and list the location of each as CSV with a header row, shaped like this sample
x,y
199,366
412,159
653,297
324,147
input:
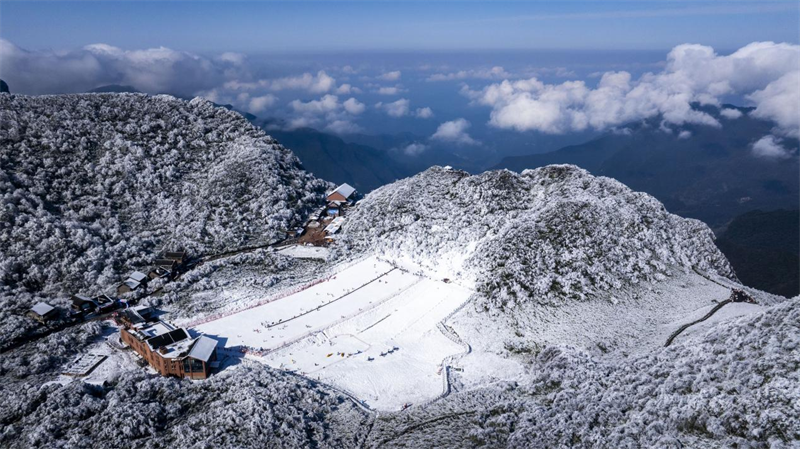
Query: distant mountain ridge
x,y
710,174
329,157
764,249
365,161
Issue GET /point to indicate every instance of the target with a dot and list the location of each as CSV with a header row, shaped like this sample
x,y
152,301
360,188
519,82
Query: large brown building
x,y
168,349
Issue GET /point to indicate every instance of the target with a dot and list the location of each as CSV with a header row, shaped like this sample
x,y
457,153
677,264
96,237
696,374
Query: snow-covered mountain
x,y
568,287
94,185
579,282
546,235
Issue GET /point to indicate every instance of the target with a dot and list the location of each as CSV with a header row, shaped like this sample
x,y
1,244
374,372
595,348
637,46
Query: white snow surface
x,y
305,252
331,330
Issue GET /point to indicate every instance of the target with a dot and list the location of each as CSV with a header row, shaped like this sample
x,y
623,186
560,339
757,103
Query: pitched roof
x,y
133,285
42,308
334,225
203,348
345,190
137,276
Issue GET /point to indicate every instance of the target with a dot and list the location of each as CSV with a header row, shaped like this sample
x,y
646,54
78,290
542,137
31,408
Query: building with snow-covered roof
x,y
136,280
138,276
334,226
99,304
42,312
167,348
177,256
342,193
83,304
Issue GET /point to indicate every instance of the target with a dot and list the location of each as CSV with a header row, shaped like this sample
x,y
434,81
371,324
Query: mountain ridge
x,y
711,175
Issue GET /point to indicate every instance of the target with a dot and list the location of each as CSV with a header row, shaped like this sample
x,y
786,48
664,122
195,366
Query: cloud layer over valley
x,y
557,100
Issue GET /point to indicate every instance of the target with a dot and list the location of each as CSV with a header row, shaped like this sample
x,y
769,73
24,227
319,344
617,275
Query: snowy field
x,y
305,252
370,330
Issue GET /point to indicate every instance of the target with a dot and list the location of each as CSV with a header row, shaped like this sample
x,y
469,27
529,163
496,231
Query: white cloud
x,y
414,149
391,76
233,58
345,89
496,72
328,109
328,103
424,112
353,106
154,70
260,104
301,122
780,101
388,90
764,71
731,114
319,83
343,127
397,108
770,147
684,134
454,131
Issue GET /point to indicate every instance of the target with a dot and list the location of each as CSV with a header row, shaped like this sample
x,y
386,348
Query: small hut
x,y
42,312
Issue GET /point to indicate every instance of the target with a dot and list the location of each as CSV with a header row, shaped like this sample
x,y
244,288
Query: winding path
x,y
688,325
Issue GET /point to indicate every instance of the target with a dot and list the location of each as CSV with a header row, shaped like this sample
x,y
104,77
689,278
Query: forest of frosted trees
x,y
545,235
93,186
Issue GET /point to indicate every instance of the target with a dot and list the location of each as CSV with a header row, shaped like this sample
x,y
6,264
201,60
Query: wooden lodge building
x,y
168,349
342,194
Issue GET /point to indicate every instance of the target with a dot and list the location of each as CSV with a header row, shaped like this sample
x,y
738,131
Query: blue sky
x,y
255,27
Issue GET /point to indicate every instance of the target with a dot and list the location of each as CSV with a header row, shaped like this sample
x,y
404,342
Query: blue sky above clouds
x,y
254,26
461,73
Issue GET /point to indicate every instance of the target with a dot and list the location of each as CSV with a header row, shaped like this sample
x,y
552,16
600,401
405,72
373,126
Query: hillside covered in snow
x,y
547,235
94,185
494,310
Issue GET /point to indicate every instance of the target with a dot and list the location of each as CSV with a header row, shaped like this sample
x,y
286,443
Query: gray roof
x,y
203,348
137,276
42,308
345,190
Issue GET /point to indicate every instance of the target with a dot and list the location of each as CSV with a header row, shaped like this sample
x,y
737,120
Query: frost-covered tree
x,y
95,185
547,235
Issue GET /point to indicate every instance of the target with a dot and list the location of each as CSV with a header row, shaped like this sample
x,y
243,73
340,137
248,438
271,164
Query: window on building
x,y
197,366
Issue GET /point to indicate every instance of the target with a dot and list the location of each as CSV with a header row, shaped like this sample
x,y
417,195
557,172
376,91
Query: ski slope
x,y
388,356
369,330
